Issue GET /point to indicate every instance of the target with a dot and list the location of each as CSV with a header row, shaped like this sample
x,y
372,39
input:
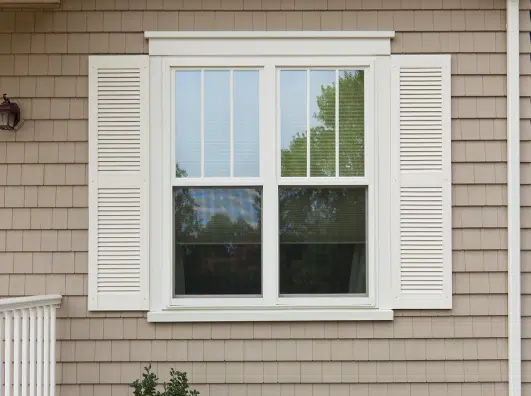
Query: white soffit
x,y
309,43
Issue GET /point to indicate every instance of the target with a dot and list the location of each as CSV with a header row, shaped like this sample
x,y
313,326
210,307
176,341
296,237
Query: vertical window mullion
x,y
202,123
269,121
308,123
231,122
337,123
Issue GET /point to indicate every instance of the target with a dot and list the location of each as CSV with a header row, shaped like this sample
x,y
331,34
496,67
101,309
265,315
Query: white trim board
x,y
165,308
270,34
268,315
309,43
513,195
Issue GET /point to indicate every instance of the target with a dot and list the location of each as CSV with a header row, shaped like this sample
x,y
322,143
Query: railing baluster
x,y
46,344
39,350
16,353
25,352
27,345
2,365
52,350
33,363
7,358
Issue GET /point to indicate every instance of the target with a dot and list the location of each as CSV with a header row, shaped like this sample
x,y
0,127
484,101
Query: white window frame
x,y
232,52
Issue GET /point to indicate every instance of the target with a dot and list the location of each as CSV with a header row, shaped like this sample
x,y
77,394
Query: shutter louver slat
x,y
118,206
422,186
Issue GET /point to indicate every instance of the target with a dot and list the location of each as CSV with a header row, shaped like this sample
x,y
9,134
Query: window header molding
x,y
270,34
263,43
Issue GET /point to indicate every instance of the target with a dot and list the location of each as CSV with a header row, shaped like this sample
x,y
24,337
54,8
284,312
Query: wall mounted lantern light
x,y
9,115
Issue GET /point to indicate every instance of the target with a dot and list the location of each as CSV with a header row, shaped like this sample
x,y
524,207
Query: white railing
x,y
27,345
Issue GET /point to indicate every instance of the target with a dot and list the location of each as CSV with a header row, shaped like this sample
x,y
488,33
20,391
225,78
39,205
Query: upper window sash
x,y
196,155
266,66
339,63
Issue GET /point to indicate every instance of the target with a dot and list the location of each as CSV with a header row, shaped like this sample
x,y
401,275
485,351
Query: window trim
x,y
270,43
376,307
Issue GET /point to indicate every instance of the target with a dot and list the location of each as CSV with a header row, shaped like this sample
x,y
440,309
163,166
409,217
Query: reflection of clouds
x,y
234,203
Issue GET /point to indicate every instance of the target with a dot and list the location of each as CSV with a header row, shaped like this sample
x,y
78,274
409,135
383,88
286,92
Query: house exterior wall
x,y
525,152
43,209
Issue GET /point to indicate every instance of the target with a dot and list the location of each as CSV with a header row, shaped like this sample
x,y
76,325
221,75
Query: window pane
x,y
351,123
246,124
322,123
322,240
217,123
218,248
293,122
188,123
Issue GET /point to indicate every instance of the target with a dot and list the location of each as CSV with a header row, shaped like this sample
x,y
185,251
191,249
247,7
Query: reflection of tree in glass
x,y
184,208
192,226
322,236
220,254
322,230
323,136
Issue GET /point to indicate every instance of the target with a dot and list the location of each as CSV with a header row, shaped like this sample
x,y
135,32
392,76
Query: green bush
x,y
178,385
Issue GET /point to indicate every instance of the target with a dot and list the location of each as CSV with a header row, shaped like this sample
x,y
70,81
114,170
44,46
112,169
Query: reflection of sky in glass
x,y
246,124
319,79
188,121
217,122
235,203
293,100
292,105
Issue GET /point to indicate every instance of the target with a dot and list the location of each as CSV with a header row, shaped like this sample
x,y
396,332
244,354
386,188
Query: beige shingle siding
x,y
43,209
525,152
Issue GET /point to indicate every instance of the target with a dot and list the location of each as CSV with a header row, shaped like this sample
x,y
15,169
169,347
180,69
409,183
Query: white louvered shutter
x,y
421,198
118,182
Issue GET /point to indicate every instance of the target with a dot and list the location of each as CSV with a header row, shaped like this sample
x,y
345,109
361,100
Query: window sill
x,y
268,314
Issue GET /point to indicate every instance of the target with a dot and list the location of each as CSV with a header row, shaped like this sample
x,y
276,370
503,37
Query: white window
x,y
269,176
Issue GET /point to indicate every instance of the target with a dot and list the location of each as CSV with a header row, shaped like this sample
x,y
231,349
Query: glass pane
x,y
188,123
322,123
293,122
218,241
322,240
351,123
246,124
217,123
